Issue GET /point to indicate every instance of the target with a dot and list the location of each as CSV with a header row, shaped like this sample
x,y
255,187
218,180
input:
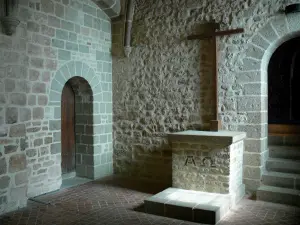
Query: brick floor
x,y
116,201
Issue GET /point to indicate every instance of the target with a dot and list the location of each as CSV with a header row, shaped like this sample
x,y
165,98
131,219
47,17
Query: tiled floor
x,y
118,202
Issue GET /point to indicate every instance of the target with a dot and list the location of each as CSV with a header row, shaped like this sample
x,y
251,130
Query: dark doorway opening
x,y
283,89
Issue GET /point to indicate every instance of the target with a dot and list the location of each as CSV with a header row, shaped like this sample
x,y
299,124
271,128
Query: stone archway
x,y
255,101
94,127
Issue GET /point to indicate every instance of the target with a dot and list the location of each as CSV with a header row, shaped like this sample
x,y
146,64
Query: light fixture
x,y
9,21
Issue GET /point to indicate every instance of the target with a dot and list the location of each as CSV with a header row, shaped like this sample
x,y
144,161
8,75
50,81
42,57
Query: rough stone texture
x,y
47,49
165,85
208,167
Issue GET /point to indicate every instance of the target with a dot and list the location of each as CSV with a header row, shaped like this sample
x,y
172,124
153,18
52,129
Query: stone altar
x,y
205,166
208,161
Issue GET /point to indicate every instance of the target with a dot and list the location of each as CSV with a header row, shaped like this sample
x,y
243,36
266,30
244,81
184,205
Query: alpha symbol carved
x,y
190,160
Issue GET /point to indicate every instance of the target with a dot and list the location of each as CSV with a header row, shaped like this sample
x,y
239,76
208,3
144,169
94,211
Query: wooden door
x,y
68,129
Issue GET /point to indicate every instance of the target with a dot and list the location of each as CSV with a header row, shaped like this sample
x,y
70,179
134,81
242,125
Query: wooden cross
x,y
215,125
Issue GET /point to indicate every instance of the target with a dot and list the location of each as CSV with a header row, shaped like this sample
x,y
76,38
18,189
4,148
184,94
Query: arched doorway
x,y
283,89
76,127
68,129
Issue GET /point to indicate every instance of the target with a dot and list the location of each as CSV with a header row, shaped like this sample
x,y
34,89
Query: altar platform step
x,y
195,206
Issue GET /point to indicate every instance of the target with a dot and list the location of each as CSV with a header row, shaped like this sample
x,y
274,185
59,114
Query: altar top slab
x,y
217,137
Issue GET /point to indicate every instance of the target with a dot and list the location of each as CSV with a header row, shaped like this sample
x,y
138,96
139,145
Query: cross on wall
x,y
215,125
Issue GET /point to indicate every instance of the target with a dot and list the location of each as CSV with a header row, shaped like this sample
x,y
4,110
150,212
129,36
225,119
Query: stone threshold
x,y
195,206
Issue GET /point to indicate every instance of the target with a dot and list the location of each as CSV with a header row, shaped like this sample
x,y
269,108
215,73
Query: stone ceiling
x,y
111,7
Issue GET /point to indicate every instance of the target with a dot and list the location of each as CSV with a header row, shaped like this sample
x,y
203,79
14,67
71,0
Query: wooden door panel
x,y
68,129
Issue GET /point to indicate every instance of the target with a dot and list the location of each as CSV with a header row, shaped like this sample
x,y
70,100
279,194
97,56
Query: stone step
x,y
284,152
284,180
283,165
284,140
278,195
195,206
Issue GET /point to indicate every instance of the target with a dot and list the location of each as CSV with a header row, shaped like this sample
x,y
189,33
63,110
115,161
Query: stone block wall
x,y
55,41
165,85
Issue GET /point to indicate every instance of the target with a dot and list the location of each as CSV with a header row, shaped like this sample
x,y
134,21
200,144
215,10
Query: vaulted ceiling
x,y
111,7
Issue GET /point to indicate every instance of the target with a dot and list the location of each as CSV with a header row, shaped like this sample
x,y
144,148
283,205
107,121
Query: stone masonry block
x,y
254,131
62,34
55,148
250,64
66,25
37,63
78,68
34,49
247,103
58,43
60,78
21,178
71,67
51,64
38,113
54,125
255,52
89,10
33,27
18,99
53,21
25,114
56,86
11,115
253,172
293,22
18,193
71,14
59,10
17,163
4,182
65,72
10,85
252,184
260,42
41,39
72,37
47,6
54,171
42,100
268,33
84,49
255,89
56,136
71,46
54,96
88,21
39,87
3,166
280,25
50,52
48,31
57,112
252,159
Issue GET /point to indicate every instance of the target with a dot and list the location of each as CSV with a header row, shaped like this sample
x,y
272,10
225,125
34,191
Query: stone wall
x,y
165,84
55,41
